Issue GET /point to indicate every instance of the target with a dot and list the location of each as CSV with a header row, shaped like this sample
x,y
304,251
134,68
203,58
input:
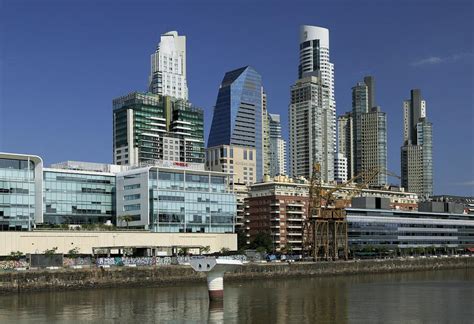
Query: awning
x,y
470,249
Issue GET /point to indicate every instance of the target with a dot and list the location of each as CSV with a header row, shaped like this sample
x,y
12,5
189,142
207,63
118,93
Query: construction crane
x,y
325,230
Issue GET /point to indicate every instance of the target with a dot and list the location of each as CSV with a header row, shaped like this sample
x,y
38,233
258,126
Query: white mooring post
x,y
215,269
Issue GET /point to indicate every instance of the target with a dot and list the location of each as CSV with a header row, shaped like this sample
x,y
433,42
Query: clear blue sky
x,y
62,63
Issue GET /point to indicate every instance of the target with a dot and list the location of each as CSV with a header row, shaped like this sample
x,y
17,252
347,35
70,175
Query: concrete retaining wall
x,y
12,282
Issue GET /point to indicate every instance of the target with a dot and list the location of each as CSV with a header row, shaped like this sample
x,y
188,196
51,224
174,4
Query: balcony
x,y
275,219
294,212
275,211
295,204
294,220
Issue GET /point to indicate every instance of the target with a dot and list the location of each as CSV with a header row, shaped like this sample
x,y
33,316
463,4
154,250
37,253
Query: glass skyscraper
x,y
238,114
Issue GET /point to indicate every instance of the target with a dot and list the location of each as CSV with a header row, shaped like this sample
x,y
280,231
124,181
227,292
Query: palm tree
x,y
125,218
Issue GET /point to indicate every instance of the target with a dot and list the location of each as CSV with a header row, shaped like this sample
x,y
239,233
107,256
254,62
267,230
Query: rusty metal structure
x,y
325,230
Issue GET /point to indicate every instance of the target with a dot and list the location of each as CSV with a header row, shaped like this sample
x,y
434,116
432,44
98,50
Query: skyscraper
x,y
312,109
416,152
168,67
277,150
345,140
363,134
150,127
314,59
238,114
311,129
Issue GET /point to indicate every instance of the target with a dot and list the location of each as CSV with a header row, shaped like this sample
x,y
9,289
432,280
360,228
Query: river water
x,y
445,296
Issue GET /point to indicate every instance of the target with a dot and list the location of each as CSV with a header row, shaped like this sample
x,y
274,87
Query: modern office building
x,y
238,115
150,128
340,168
277,147
315,61
21,183
312,110
363,135
79,193
311,129
373,225
278,207
178,200
417,149
168,67
238,161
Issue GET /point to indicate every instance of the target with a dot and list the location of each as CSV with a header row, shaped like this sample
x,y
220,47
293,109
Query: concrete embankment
x,y
40,280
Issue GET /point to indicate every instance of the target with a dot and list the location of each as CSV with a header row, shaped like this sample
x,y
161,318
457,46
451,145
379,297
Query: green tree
x,y
263,240
73,253
125,218
205,249
16,256
224,251
50,252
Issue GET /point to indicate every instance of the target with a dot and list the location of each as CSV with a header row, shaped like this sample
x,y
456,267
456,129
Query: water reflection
x,y
443,296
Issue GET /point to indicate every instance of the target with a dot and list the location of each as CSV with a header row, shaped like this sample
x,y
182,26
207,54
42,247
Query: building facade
x,y
311,129
395,229
238,117
277,147
78,197
417,149
238,161
278,207
315,61
150,128
374,144
184,199
312,111
363,135
21,180
340,168
168,67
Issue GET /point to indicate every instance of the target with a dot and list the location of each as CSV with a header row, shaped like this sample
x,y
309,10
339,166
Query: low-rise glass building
x,y
393,229
20,191
78,197
165,199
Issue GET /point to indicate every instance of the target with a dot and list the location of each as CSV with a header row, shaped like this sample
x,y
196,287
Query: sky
x,y
62,63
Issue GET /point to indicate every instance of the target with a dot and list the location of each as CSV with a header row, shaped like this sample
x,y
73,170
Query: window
x,y
130,187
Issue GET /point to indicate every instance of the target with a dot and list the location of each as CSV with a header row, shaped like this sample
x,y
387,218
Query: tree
x,y
224,251
73,253
206,249
125,218
50,252
183,251
15,256
263,240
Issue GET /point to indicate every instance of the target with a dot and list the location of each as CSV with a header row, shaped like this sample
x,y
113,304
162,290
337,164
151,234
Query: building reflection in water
x,y
342,299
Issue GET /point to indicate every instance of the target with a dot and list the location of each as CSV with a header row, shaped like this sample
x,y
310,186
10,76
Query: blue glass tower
x,y
237,118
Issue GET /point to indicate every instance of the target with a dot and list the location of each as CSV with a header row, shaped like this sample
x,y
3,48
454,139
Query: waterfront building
x,y
278,207
340,168
20,191
375,226
312,110
176,198
311,129
150,128
239,161
168,67
363,134
238,117
277,149
416,152
79,193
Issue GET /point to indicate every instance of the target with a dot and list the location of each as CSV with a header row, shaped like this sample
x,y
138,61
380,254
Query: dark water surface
x,y
445,296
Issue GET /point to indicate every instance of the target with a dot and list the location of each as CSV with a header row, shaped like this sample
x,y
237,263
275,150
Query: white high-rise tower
x,y
168,67
312,110
314,59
